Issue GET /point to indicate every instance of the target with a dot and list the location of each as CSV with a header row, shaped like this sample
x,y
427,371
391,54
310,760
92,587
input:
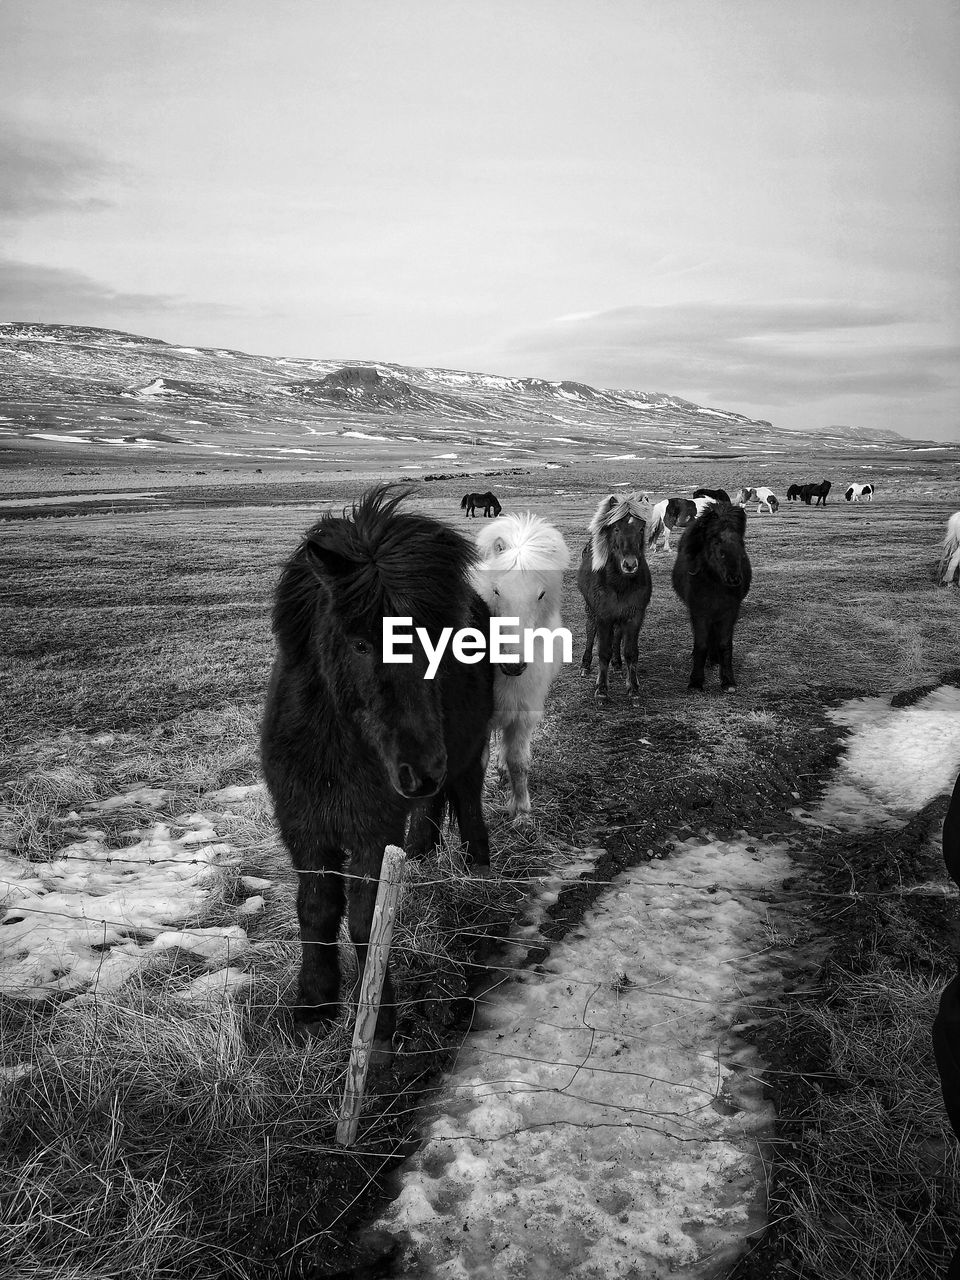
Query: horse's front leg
x,y
616,660
320,902
604,653
426,823
465,792
728,681
631,653
701,643
587,660
516,754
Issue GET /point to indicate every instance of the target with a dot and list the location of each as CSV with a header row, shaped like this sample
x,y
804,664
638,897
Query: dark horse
x,y
470,501
807,492
614,580
711,575
353,745
794,492
718,495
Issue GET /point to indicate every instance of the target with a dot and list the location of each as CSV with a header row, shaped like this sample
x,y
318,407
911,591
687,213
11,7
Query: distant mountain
x,y
69,384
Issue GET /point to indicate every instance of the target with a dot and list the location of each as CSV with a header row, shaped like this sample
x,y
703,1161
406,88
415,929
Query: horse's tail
x,y
464,502
656,530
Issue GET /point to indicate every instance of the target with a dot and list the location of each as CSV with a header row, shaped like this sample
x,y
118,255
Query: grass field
x,y
142,1135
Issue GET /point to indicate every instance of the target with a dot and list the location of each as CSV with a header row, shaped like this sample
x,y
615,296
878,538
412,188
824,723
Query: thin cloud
x,y
759,353
40,173
32,292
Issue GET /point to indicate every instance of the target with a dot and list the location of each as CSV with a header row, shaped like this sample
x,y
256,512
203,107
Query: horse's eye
x,y
496,592
541,595
363,647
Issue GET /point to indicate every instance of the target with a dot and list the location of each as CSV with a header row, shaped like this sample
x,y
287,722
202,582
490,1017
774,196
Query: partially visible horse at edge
x,y
948,573
352,746
470,501
718,495
520,575
711,575
614,580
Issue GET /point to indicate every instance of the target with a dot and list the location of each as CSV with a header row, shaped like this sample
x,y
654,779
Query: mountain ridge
x,y
82,385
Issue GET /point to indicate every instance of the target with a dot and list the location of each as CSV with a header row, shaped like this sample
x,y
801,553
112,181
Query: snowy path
x,y
603,1122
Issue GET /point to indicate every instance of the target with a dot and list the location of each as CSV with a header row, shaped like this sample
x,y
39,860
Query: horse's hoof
x,y
522,818
694,688
481,871
728,688
600,695
633,695
584,671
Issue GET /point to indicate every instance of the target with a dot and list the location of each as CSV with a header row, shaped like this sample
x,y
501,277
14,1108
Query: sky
x,y
754,204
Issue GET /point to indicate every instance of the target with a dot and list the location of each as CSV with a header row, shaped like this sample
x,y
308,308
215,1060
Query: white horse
x,y
857,491
763,496
520,575
949,570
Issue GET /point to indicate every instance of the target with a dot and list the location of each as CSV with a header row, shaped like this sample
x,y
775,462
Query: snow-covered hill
x,y
87,387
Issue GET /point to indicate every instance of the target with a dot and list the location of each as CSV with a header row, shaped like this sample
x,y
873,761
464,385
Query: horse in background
x,y
857,491
949,570
672,513
794,492
763,496
520,575
470,501
711,575
807,492
353,746
614,580
718,495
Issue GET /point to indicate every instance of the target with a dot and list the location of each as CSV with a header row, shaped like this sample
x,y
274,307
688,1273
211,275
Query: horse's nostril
x,y
409,781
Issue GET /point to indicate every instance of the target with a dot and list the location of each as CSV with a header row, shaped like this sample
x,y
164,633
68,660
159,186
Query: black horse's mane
x,y
372,562
717,518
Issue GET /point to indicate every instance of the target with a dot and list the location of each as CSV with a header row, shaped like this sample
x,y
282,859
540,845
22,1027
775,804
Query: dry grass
x,y
875,1179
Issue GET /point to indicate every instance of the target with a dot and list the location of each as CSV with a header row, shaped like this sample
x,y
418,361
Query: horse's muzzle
x,y
512,668
629,567
416,786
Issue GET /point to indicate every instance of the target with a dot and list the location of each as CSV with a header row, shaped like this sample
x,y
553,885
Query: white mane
x,y
610,511
522,541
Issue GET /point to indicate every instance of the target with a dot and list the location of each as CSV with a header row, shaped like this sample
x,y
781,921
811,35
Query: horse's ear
x,y
612,501
325,562
499,546
740,515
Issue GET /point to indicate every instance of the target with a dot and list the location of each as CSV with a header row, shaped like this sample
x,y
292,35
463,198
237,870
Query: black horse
x,y
818,491
711,575
470,501
718,495
793,493
353,745
615,583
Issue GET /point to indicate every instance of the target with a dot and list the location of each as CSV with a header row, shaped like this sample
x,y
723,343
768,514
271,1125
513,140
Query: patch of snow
x,y
363,435
604,1119
230,795
81,919
897,759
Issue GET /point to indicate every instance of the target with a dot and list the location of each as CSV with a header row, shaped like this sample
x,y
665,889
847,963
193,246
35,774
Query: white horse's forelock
x,y
522,541
611,510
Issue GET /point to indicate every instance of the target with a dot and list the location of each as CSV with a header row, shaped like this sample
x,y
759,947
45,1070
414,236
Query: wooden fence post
x,y
371,987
